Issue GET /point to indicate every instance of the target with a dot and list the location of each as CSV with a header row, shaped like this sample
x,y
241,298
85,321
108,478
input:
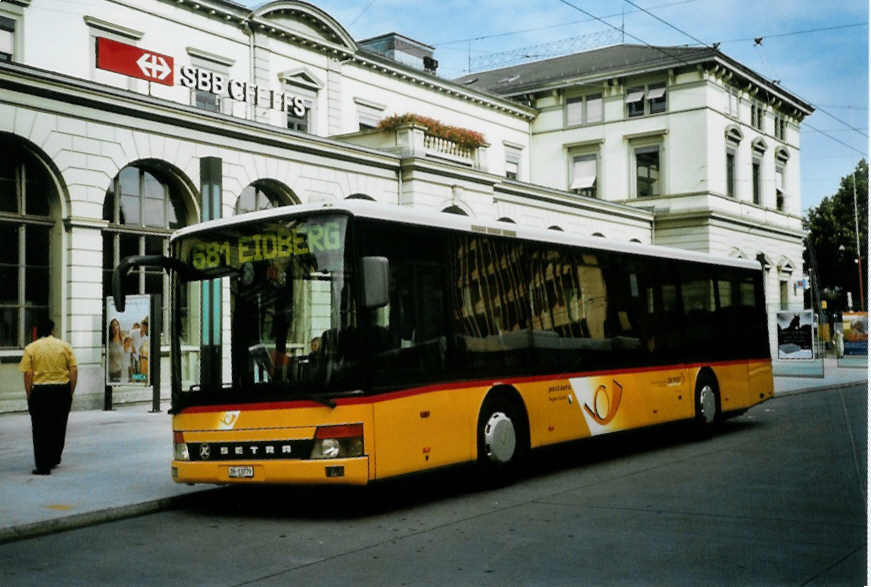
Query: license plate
x,y
245,472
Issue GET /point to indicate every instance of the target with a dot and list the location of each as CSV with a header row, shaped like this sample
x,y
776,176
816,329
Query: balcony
x,y
410,138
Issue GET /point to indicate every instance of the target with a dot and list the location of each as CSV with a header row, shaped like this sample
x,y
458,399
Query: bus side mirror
x,y
376,282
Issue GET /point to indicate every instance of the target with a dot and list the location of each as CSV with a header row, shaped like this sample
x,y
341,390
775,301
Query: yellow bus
x,y
366,342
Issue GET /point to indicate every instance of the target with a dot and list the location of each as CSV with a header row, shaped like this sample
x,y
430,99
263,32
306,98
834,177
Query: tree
x,y
831,230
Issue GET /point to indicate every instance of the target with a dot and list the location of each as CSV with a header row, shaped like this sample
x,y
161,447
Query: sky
x,y
817,49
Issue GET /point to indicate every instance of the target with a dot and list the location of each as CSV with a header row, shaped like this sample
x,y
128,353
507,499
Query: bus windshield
x,y
290,308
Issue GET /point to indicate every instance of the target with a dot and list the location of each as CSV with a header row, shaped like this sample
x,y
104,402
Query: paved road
x,y
777,498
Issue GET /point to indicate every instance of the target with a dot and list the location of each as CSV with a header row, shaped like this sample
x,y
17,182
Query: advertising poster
x,y
855,333
795,335
127,341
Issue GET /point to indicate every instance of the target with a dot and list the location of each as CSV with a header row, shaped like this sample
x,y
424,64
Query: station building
x,y
109,109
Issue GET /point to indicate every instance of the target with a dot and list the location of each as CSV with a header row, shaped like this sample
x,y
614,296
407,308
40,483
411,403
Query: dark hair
x,y
44,328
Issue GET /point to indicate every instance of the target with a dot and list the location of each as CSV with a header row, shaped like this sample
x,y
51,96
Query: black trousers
x,y
49,407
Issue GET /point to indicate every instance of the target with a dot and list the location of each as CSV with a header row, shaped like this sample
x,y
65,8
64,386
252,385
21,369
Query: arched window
x,y
555,227
143,205
599,234
360,197
262,195
455,210
506,219
635,240
253,198
26,193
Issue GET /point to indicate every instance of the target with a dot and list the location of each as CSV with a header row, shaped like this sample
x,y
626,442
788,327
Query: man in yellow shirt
x,y
50,375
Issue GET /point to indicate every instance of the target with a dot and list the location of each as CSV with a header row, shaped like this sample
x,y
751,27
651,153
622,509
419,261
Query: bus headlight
x,y
180,446
338,442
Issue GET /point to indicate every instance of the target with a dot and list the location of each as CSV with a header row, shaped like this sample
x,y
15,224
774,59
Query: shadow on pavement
x,y
389,496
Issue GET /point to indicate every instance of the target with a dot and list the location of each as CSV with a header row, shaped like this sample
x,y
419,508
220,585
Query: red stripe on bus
x,y
392,395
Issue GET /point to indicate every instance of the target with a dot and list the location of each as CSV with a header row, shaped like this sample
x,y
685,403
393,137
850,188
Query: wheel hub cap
x,y
500,438
708,404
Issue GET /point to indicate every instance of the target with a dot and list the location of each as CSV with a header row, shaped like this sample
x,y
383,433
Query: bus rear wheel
x,y
707,405
503,441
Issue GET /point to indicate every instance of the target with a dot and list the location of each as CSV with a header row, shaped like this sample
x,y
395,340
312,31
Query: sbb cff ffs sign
x,y
134,61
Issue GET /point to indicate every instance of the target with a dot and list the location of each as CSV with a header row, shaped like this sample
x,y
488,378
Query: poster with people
x,y
795,336
855,333
127,341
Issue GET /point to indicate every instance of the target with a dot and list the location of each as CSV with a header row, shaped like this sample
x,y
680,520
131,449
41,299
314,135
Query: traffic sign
x,y
134,61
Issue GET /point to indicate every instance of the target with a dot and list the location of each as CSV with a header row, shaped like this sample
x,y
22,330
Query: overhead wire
x,y
553,26
696,39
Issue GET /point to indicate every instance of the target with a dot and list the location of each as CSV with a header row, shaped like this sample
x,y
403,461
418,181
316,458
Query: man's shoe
x,y
41,472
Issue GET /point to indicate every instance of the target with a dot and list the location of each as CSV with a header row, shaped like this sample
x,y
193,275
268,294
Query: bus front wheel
x,y
502,439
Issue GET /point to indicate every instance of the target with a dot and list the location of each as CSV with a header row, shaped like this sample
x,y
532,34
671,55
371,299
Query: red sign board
x,y
134,61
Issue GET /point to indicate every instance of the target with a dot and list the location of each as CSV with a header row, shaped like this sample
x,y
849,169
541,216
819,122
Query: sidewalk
x,y
116,464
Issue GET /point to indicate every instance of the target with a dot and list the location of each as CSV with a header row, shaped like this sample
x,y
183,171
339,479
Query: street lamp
x,y
858,246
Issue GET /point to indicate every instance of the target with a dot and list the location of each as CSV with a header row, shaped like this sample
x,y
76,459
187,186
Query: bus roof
x,y
416,216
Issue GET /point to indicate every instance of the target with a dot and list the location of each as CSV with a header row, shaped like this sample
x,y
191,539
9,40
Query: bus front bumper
x,y
350,471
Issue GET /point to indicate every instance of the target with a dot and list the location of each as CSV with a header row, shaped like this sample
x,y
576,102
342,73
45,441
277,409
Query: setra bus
x,y
366,342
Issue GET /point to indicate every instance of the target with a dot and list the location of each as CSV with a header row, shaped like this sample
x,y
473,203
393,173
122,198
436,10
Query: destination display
x,y
268,244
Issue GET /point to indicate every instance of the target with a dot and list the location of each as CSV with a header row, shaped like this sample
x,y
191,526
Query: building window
x,y
730,173
784,295
758,148
648,99
778,186
512,162
368,114
734,102
206,100
141,209
733,141
635,102
756,115
7,38
303,84
217,65
262,195
780,128
584,179
757,181
584,110
254,198
647,172
25,244
656,98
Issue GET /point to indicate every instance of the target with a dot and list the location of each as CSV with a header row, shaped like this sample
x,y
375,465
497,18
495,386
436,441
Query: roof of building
x,y
609,62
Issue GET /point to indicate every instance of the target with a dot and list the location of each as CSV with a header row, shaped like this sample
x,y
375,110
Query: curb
x,y
75,521
830,387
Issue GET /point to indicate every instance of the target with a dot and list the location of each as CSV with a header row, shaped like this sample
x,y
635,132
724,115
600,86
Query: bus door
x,y
666,326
